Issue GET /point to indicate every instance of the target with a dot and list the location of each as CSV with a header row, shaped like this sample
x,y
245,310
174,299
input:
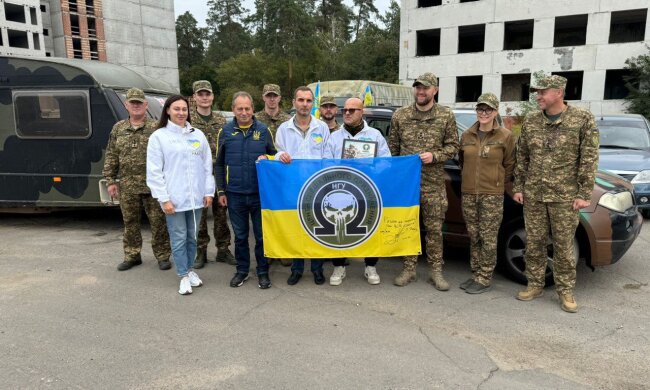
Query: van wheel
x,y
512,248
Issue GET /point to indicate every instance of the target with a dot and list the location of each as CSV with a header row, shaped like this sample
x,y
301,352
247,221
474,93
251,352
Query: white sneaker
x,y
195,281
337,276
185,287
371,275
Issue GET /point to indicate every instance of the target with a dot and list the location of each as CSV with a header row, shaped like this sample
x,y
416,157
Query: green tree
x,y
365,11
190,41
638,83
200,71
229,36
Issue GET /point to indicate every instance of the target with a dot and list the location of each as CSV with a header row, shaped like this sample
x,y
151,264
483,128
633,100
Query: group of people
x,y
166,169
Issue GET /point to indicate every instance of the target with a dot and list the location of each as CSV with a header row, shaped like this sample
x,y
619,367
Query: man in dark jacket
x,y
241,143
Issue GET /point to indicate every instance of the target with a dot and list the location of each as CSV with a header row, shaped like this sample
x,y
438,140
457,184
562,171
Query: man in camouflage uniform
x,y
429,130
328,110
487,159
126,157
272,116
557,156
210,123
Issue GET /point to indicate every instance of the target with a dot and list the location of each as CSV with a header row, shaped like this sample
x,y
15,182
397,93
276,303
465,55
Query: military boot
x,y
201,258
530,293
405,277
438,281
225,256
568,302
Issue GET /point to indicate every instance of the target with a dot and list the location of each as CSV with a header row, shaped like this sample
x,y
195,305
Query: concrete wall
x,y
593,58
141,35
30,27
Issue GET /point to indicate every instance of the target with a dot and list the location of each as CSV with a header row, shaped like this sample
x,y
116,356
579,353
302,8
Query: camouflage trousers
x,y
132,206
433,206
561,220
483,214
221,231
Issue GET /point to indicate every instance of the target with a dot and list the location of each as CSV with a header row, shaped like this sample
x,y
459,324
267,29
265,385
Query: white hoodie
x,y
179,166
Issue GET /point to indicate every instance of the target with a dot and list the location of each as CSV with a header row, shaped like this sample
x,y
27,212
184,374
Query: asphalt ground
x,y
70,320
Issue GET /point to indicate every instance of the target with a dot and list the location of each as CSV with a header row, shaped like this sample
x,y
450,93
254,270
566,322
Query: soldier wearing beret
x,y
557,156
487,160
126,159
210,123
428,130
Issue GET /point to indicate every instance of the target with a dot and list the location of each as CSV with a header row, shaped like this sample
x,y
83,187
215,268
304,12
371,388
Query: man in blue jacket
x,y
240,144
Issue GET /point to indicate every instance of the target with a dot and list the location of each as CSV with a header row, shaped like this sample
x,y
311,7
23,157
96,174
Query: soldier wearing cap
x,y
428,130
487,160
126,159
557,156
210,123
328,110
272,116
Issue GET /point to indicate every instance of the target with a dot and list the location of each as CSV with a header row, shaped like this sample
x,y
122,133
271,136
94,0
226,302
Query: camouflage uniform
x,y
556,164
221,231
126,155
414,132
273,122
487,166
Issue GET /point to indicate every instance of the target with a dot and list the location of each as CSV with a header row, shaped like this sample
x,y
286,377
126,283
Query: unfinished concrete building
x,y
477,46
138,34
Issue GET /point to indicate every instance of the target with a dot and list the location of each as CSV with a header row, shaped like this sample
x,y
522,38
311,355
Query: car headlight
x,y
619,201
642,177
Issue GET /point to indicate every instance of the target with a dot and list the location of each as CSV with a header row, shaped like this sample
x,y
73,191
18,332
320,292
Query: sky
x,y
199,9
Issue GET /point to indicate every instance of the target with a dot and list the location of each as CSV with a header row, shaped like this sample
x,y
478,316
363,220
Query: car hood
x,y
624,160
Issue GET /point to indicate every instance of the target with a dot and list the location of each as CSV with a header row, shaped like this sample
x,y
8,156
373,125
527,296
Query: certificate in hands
x,y
353,148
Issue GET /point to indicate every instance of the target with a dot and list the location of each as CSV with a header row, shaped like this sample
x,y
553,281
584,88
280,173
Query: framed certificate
x,y
353,148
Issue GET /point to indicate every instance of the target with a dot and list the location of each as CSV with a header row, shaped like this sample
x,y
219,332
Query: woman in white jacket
x,y
179,174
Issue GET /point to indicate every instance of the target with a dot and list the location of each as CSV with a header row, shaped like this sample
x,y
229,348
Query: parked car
x,y
606,230
625,151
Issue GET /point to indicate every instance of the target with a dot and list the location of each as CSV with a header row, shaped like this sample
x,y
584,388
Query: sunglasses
x,y
350,110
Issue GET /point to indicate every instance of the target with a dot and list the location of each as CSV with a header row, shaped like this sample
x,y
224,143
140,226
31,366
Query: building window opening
x,y
32,15
74,25
46,32
615,84
518,35
15,13
43,8
92,27
471,39
48,54
429,3
72,6
628,26
428,42
17,39
37,41
570,30
467,1
574,84
90,7
515,87
468,88
76,48
94,53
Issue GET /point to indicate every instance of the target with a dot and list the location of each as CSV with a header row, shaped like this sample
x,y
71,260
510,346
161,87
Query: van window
x,y
52,114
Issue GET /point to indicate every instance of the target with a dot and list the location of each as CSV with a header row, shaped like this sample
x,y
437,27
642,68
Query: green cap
x,y
327,100
135,94
271,88
201,85
555,81
489,99
427,79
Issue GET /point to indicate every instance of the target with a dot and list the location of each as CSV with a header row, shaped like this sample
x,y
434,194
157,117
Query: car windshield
x,y
623,134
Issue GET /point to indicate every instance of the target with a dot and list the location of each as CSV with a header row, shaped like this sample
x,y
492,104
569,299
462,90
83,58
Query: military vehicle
x,y
57,114
383,94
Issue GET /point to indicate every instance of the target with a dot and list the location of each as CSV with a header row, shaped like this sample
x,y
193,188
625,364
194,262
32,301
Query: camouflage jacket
x,y
414,132
126,156
272,122
557,161
210,129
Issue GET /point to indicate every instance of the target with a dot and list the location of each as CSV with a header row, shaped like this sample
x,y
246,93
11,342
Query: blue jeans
x,y
298,265
182,226
240,207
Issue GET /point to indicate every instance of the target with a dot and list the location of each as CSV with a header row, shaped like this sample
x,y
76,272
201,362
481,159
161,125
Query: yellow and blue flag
x,y
341,208
315,109
367,97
